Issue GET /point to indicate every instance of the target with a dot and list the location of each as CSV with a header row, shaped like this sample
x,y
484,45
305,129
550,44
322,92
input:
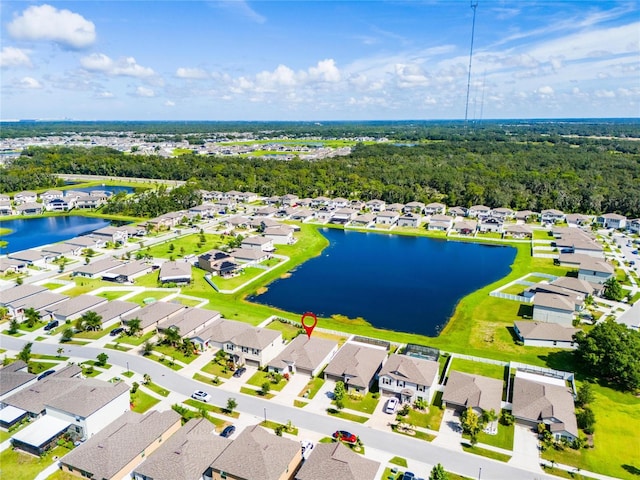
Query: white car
x,y
200,395
392,404
307,446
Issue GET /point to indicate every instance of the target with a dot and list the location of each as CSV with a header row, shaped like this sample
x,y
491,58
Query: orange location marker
x,y
309,328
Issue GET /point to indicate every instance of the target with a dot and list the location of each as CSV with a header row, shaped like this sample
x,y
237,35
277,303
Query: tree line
x,y
575,174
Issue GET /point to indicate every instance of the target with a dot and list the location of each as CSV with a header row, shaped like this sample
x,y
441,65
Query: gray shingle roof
x,y
175,270
257,455
335,461
114,308
537,401
553,300
306,353
358,362
76,305
11,377
20,291
153,313
120,442
473,391
189,319
187,454
87,398
545,331
99,266
410,369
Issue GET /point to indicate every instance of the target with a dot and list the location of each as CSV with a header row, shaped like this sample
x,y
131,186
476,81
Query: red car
x,y
345,436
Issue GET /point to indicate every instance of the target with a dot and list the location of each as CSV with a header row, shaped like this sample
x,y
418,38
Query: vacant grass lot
x,y
247,274
477,368
21,466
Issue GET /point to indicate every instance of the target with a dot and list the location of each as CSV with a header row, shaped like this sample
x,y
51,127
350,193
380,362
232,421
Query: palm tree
x,y
92,321
134,326
33,316
146,379
172,336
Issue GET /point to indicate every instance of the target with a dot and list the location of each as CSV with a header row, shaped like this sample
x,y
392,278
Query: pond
x,y
408,284
34,232
105,188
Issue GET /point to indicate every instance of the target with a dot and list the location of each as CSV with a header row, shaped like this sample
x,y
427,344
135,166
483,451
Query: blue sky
x,y
318,60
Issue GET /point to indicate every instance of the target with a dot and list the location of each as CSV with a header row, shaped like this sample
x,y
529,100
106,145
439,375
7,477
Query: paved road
x,y
394,444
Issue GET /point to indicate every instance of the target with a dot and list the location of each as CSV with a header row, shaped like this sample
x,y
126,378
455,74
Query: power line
x,y
474,5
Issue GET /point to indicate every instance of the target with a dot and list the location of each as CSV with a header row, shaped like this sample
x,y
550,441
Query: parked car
x,y
307,446
238,373
51,325
392,405
635,252
228,431
408,476
200,395
45,374
116,331
344,436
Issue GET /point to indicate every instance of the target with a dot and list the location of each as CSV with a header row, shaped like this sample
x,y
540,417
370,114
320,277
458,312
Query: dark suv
x,y
239,372
51,325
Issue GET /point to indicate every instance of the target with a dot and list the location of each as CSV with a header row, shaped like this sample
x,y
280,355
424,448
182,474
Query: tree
x,y
102,359
134,387
471,424
19,281
586,419
67,334
13,326
339,391
134,327
32,315
147,348
613,290
25,353
232,404
172,336
585,395
438,473
265,388
146,379
59,351
91,321
609,351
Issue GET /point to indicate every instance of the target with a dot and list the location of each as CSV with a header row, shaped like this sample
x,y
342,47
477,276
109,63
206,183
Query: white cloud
x,y
145,92
128,67
105,95
169,103
47,23
191,73
14,57
29,83
325,71
605,94
546,91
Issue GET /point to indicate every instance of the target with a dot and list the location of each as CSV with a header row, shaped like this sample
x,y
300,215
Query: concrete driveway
x,y
450,433
525,449
379,419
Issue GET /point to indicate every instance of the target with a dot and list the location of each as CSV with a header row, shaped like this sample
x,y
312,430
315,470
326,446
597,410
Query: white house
x,y
612,220
554,308
408,378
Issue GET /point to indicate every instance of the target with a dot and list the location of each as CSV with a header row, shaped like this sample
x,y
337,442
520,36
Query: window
x,y
420,388
400,383
245,349
386,381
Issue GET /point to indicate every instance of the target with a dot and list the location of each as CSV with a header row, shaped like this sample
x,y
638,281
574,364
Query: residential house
x,y
502,213
364,220
517,231
129,271
435,208
273,200
51,195
250,256
302,215
121,446
5,208
324,215
26,196
356,365
11,265
552,216
342,216
74,307
440,223
465,227
595,270
206,210
151,315
536,401
87,241
554,308
64,248
464,390
289,200
218,263
478,211
41,302
258,243
525,215
59,205
29,208
304,355
266,212
387,218
113,311
248,197
189,321
414,207
544,334
577,220
339,202
356,205
225,206
410,220
280,235
395,207
633,226
376,206
97,268
111,234
581,287
186,455
490,224
13,378
630,318
33,257
612,220
457,212
236,222
178,272
409,378
258,455
320,202
336,461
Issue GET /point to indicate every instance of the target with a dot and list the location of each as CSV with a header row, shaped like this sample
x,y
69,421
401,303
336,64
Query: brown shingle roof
x,y
306,353
410,369
257,455
357,362
545,331
335,461
474,391
11,377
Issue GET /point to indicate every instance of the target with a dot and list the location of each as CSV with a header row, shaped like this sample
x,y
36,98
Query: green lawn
x,y
427,437
189,302
347,416
211,408
255,393
157,294
260,377
477,368
142,401
430,419
157,389
207,380
165,361
486,453
115,346
134,340
402,462
503,439
515,289
39,367
247,274
274,425
113,295
616,434
314,385
175,353
364,404
189,243
289,331
214,368
558,472
52,285
94,334
300,403
26,467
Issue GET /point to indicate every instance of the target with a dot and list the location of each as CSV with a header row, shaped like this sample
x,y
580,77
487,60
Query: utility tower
x,y
474,5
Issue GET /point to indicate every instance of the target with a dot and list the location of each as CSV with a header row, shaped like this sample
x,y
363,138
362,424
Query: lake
x,y
105,188
33,232
408,284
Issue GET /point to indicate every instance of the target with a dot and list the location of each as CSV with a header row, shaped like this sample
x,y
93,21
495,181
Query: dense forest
x,y
536,172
